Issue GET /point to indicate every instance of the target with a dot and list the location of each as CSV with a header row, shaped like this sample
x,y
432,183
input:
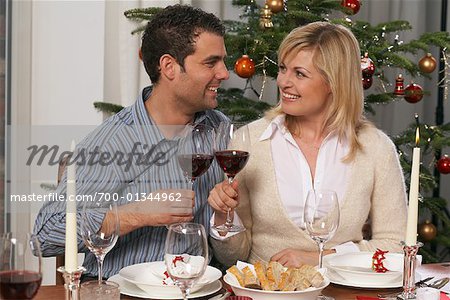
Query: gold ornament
x,y
428,63
427,231
265,19
275,6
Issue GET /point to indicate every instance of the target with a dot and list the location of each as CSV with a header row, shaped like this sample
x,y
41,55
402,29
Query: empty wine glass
x,y
321,217
196,151
232,161
100,240
186,254
20,266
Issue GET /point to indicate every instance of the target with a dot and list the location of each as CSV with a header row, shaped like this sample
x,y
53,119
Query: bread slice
x,y
284,280
261,269
299,280
238,274
274,271
317,280
250,280
312,275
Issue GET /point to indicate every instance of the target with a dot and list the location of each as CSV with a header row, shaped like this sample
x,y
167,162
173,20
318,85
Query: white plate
x,y
130,289
336,279
143,276
308,294
357,267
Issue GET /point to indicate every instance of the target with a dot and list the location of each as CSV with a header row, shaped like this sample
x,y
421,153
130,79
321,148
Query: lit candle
x,y
71,253
413,206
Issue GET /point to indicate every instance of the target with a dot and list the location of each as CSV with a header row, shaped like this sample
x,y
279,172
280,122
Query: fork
x,y
393,295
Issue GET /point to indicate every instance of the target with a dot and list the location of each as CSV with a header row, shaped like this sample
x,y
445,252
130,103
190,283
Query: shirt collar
x,y
276,123
145,119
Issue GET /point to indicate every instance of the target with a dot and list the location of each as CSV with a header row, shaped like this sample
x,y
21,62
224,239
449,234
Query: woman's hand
x,y
295,258
223,197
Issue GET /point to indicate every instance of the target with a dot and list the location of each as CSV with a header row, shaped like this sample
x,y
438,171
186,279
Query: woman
x,y
316,138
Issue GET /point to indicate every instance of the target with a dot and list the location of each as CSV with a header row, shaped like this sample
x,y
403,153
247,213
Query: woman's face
x,y
304,92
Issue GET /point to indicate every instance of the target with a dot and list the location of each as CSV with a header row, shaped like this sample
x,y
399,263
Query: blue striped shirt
x,y
130,130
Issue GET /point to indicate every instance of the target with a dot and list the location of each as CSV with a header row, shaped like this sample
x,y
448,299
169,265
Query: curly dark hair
x,y
174,31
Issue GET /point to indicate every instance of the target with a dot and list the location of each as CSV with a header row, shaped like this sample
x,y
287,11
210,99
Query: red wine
x,y
232,161
19,284
194,165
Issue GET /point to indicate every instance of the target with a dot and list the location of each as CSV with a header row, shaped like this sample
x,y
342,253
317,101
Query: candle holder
x,y
72,282
409,271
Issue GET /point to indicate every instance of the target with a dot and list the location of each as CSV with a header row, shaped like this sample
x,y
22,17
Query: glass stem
x,y
100,268
320,254
229,221
185,293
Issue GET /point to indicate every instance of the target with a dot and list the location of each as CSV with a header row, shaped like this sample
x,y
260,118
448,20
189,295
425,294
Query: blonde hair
x,y
337,57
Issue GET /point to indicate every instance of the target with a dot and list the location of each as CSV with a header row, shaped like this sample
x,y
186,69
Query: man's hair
x,y
174,31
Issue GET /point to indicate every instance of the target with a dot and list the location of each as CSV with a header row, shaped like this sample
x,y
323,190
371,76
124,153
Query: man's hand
x,y
145,212
223,197
295,258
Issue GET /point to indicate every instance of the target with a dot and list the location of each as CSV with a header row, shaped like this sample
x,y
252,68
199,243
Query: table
x,y
56,292
338,292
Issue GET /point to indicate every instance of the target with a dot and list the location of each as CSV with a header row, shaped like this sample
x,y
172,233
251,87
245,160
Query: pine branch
x,y
109,108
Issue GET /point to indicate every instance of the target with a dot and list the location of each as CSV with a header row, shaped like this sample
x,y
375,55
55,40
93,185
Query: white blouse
x,y
294,175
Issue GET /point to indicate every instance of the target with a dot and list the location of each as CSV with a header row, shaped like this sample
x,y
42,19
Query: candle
x,y
71,253
413,206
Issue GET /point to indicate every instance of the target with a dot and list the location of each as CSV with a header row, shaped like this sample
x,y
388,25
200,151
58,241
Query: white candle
x,y
413,206
71,254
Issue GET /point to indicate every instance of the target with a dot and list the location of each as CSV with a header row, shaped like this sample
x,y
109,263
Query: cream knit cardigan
x,y
375,189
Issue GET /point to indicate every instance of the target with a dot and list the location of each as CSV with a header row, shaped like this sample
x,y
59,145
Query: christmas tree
x,y
252,44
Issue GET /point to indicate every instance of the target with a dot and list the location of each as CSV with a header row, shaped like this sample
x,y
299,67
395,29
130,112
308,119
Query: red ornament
x,y
413,93
367,82
367,66
399,86
352,6
443,165
377,261
244,67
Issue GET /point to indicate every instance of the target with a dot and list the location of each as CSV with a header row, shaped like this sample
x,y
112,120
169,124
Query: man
x,y
183,53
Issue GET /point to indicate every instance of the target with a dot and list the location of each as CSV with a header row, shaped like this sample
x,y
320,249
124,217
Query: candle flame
x,y
417,137
416,116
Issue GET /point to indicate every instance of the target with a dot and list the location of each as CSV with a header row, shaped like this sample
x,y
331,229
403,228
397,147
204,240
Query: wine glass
x,y
232,161
321,217
196,151
20,266
186,254
100,240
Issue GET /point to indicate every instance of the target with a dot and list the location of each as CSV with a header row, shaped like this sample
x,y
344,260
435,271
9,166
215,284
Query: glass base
x,y
104,290
224,228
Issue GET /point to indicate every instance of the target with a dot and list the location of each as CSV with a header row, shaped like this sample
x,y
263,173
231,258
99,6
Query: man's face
x,y
196,86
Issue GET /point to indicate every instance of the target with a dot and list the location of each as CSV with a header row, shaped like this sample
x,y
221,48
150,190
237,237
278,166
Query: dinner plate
x,y
335,278
143,275
129,289
357,267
